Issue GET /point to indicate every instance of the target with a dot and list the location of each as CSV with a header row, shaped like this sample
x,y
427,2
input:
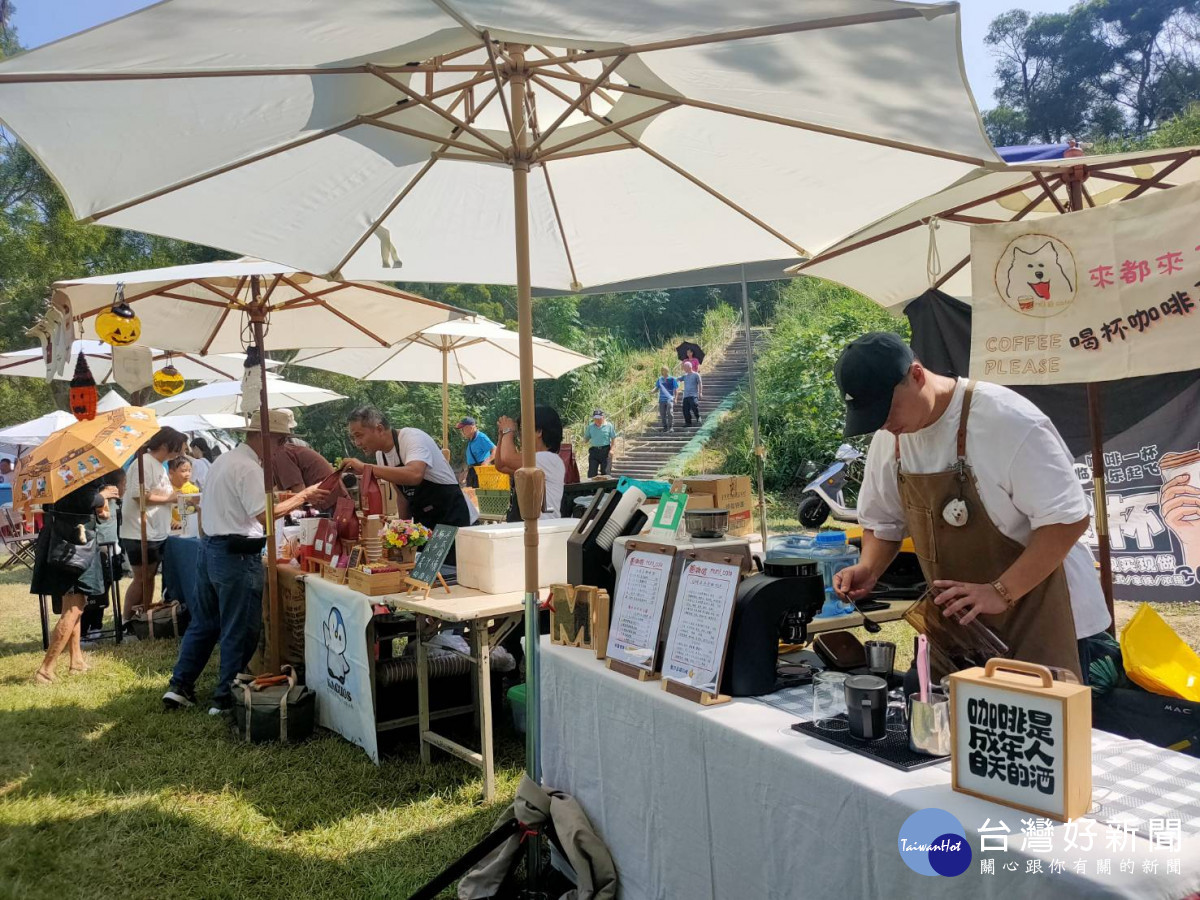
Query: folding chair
x,y
17,541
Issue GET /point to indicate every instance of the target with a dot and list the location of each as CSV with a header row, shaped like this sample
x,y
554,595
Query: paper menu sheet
x,y
700,624
638,608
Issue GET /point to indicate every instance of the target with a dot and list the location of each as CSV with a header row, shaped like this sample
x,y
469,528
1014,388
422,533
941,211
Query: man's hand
x,y
854,582
969,600
315,495
506,423
357,466
110,492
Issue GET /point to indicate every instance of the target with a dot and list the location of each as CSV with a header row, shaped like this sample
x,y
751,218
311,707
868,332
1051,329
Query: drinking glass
x,y
829,701
897,713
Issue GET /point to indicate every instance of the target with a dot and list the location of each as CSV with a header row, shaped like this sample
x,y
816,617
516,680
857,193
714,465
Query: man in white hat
x,y
229,568
296,465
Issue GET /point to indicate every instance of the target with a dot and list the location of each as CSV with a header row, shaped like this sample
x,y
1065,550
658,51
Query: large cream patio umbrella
x,y
418,138
230,305
224,398
466,351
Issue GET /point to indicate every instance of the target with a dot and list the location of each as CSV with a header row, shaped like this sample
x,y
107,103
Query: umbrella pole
x,y
530,483
1074,180
759,450
147,588
446,403
274,618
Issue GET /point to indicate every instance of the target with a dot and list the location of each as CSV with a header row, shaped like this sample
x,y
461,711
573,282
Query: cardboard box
x,y
731,492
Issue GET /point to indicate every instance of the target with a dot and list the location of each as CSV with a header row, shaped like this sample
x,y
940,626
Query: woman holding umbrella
x,y
67,567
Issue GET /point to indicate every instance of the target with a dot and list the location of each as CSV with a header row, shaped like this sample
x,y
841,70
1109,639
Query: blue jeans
x,y
228,611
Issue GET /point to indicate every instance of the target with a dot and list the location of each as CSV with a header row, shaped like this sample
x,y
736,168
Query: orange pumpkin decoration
x,y
168,381
83,395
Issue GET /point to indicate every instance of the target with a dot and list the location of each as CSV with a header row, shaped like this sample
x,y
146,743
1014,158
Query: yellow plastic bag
x,y
1157,659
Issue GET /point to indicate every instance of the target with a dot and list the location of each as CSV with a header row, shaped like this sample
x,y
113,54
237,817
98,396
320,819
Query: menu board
x,y
638,608
700,622
433,554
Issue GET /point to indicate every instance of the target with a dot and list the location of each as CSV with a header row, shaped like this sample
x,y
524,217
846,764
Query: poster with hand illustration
x,y
1153,485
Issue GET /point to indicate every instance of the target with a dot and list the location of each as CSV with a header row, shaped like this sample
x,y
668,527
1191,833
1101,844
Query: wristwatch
x,y
1009,600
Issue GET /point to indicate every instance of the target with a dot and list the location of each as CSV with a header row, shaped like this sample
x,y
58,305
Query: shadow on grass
x,y
130,745
147,852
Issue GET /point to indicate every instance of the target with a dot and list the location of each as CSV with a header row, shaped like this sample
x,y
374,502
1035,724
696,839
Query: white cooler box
x,y
492,557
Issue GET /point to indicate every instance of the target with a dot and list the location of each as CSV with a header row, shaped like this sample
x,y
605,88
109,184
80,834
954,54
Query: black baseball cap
x,y
867,373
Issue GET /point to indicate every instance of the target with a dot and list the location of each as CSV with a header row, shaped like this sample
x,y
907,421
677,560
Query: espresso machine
x,y
776,604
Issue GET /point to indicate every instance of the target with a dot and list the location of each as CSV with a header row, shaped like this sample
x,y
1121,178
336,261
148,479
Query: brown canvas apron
x,y
1041,627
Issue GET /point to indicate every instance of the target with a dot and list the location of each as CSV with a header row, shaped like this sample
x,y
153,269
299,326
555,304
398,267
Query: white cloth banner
x,y
337,661
1096,295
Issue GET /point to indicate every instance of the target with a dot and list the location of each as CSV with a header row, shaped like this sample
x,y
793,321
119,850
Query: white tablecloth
x,y
728,802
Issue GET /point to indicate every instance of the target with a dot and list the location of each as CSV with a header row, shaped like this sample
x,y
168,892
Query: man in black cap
x,y
995,510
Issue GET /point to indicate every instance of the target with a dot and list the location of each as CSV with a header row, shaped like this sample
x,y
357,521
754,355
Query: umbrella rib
x,y
200,362
1041,179
600,92
1128,179
679,170
517,356
748,33
434,108
781,120
916,223
1163,173
556,151
199,301
391,207
575,154
483,152
588,90
1025,210
216,330
508,119
458,17
345,318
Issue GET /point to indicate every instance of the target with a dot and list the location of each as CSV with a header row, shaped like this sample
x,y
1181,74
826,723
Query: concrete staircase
x,y
649,451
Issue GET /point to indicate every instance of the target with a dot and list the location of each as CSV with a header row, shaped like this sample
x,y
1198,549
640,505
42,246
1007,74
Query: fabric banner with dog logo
x,y
337,661
1096,295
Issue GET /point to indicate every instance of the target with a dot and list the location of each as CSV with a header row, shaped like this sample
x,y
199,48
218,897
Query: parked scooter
x,y
826,494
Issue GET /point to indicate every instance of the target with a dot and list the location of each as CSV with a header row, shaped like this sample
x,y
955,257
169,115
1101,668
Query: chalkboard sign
x,y
433,554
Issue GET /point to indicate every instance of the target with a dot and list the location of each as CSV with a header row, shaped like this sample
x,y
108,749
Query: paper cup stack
x,y
372,541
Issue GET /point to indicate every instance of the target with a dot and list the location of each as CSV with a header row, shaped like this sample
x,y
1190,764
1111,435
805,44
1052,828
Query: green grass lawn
x,y
102,794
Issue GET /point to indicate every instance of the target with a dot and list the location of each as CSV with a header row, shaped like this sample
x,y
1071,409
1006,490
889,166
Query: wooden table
x,y
479,612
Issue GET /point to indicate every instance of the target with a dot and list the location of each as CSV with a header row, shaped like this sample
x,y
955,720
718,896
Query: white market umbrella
x,y
465,351
192,422
362,138
110,401
225,398
16,439
31,363
898,258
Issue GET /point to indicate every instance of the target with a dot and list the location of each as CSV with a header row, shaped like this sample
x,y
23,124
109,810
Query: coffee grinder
x,y
775,605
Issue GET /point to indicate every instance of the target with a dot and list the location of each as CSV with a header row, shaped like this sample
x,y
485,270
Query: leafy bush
x,y
801,413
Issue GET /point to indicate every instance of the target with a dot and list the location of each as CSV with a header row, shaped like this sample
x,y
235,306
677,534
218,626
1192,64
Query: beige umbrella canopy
x,y
599,141
928,243
465,351
31,363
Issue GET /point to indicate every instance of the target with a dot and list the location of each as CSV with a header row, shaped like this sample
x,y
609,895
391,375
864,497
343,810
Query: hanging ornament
x,y
252,379
83,395
168,381
119,325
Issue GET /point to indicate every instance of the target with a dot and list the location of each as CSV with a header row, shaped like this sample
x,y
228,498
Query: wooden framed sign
x,y
427,570
1020,738
637,609
698,635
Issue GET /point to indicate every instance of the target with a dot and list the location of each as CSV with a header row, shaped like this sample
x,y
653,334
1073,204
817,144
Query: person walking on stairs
x,y
667,387
693,392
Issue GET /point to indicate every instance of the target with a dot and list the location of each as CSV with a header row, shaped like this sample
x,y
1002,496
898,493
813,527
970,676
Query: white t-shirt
x,y
158,515
1024,472
200,467
413,444
234,496
556,472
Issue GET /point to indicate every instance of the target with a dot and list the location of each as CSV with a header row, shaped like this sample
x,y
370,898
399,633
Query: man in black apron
x,y
410,459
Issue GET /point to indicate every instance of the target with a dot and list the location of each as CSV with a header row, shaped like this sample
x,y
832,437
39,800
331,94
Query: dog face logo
x,y
1036,275
335,646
